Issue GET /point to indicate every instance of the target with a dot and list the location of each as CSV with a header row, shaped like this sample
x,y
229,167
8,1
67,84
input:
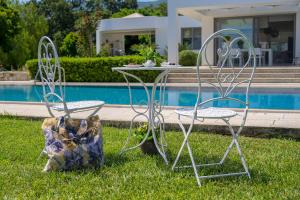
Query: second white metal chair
x,y
52,76
225,79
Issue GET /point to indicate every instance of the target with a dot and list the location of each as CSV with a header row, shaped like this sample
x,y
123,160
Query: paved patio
x,y
259,122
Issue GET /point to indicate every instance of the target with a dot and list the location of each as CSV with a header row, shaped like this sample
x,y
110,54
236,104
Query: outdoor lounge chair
x,y
224,81
52,76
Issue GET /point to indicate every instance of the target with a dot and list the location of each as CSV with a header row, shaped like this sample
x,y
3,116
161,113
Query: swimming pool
x,y
286,99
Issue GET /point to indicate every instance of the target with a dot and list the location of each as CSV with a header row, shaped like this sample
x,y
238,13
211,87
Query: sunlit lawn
x,y
274,165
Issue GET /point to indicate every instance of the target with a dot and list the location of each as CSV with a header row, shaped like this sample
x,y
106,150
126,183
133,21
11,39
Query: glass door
x,y
276,33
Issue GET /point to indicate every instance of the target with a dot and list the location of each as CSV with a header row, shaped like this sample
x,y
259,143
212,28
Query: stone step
x,y
262,74
257,75
255,80
246,70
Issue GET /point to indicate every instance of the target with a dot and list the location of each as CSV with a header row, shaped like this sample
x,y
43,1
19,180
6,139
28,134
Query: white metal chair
x,y
52,76
236,54
224,81
259,56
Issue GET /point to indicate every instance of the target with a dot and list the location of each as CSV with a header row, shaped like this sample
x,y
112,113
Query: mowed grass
x,y
274,165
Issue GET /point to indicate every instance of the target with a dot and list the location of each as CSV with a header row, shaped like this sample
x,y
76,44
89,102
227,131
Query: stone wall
x,y
14,76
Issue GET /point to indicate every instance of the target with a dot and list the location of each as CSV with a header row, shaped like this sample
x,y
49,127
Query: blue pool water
x,y
288,99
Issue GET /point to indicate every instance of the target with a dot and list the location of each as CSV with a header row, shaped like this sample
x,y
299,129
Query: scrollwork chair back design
x,y
227,74
52,76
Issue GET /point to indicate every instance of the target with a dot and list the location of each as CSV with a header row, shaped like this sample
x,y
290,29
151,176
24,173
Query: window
x,y
191,37
275,33
245,25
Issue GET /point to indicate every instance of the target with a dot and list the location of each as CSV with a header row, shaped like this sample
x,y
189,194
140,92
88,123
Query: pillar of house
x,y
173,33
208,30
297,34
98,41
161,40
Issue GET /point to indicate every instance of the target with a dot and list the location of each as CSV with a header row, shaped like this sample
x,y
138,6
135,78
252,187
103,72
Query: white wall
x,y
98,41
109,28
161,39
173,33
208,30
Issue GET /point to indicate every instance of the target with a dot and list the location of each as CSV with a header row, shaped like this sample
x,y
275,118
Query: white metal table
x,y
265,51
153,110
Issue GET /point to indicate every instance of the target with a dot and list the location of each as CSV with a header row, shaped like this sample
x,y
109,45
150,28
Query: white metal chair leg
x,y
194,166
185,142
242,158
227,152
193,163
235,141
182,145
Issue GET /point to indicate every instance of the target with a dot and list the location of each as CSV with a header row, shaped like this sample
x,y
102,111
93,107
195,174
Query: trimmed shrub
x,y
98,69
187,58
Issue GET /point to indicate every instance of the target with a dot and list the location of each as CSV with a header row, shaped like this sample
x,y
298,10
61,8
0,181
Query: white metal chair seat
x,y
211,112
78,105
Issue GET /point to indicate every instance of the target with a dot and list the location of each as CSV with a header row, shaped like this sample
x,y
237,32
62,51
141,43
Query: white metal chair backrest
x,y
258,52
51,74
225,76
235,52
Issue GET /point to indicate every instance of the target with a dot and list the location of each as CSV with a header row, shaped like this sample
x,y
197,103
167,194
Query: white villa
x,y
272,25
114,31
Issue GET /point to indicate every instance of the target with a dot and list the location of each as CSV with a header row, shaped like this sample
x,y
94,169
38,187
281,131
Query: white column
x,y
297,39
98,41
161,39
173,33
208,30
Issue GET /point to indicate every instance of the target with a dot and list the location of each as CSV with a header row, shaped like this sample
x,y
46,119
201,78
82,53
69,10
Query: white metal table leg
x,y
155,114
151,114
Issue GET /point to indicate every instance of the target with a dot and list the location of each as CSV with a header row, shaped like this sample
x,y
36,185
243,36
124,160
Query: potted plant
x,y
240,44
148,147
227,38
152,58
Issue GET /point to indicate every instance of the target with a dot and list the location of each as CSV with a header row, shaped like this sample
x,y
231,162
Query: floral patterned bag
x,y
73,143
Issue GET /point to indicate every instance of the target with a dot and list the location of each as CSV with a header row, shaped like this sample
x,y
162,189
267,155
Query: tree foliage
x,y
9,24
69,45
59,15
161,10
117,5
86,26
30,28
70,23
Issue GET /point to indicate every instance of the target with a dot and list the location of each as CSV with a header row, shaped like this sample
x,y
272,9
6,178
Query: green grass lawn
x,y
274,165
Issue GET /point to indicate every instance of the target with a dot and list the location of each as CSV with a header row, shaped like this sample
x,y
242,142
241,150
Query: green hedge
x,y
96,69
187,58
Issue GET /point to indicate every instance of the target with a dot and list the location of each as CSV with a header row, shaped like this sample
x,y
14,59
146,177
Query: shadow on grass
x,y
115,159
229,166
